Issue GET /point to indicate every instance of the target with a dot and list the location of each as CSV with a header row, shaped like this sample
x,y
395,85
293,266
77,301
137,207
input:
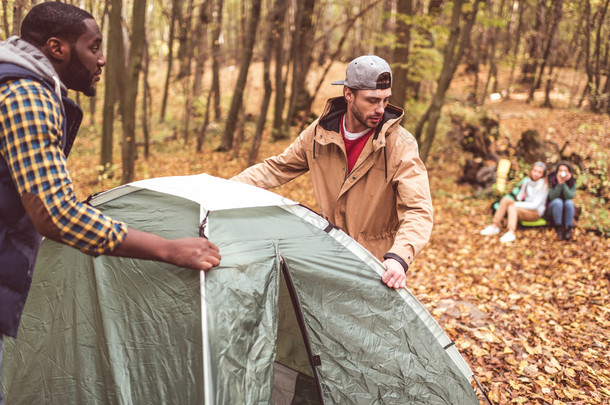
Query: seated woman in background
x,y
530,204
561,193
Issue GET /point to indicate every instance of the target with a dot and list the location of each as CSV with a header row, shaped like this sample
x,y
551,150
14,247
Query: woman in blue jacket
x,y
562,187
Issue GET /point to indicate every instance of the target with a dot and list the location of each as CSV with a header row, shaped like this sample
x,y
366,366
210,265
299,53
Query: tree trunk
x,y
200,45
400,55
515,51
301,59
452,55
146,100
176,5
185,55
114,75
535,44
350,24
595,92
203,128
587,51
493,38
17,15
185,39
262,116
547,50
236,101
5,25
216,57
240,129
280,84
547,93
131,90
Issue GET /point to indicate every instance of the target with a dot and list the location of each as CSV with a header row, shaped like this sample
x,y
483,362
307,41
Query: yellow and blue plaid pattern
x,y
30,142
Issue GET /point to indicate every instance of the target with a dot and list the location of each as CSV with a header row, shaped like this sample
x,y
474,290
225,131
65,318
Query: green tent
x,y
295,314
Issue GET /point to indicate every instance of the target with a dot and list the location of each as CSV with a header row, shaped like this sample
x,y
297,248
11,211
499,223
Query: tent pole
x,y
208,387
207,372
482,390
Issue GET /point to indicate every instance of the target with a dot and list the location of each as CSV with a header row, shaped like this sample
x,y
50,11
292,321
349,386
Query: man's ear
x,y
347,93
57,50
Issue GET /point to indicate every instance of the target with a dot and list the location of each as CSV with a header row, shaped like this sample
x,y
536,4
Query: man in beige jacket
x,y
366,172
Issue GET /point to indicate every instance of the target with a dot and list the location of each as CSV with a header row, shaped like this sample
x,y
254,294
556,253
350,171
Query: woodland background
x,y
213,86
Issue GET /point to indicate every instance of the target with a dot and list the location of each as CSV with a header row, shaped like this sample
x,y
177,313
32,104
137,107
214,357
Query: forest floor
x,y
532,318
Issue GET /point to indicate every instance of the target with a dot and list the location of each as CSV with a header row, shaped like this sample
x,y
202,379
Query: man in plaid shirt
x,y
59,49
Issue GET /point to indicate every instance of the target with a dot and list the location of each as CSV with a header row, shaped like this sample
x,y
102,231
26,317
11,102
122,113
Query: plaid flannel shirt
x,y
31,143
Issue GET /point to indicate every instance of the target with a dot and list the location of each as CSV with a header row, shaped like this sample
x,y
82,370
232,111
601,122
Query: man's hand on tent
x,y
193,253
394,276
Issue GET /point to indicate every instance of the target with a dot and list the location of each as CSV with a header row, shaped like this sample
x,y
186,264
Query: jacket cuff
x,y
398,259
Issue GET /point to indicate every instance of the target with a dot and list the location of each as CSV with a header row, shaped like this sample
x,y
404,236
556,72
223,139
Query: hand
x,y
194,253
394,276
562,179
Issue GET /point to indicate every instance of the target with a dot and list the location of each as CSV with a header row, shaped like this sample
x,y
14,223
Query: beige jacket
x,y
384,203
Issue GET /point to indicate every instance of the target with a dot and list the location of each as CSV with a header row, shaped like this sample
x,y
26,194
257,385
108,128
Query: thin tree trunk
x,y
598,42
262,116
595,92
303,44
240,129
206,122
335,55
606,92
280,84
401,52
114,75
170,56
146,101
5,24
493,69
588,68
185,40
236,102
185,55
17,15
454,50
187,109
216,32
295,62
510,29
129,107
547,92
547,49
476,68
535,44
200,45
515,52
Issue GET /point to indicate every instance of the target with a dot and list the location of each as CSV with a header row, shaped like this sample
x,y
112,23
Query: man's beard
x,y
360,117
80,78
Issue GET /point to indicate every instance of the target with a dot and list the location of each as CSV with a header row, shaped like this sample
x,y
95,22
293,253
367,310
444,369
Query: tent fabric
x,y
295,314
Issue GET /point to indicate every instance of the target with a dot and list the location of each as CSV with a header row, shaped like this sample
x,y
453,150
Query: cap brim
x,y
340,82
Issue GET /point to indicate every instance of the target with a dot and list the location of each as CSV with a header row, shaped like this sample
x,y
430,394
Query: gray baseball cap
x,y
363,73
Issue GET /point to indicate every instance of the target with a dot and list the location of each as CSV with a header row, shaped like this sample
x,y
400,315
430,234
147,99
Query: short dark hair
x,y
384,81
54,19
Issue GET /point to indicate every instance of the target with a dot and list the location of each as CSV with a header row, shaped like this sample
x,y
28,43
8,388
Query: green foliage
x,y
427,37
595,214
594,179
425,64
413,110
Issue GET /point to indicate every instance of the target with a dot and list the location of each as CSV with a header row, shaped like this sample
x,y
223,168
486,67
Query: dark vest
x,y
19,239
